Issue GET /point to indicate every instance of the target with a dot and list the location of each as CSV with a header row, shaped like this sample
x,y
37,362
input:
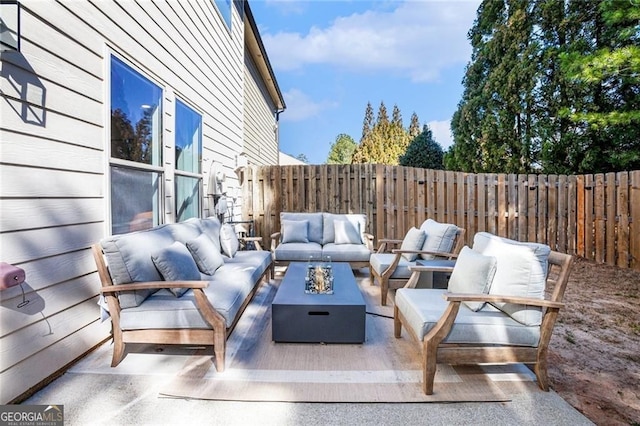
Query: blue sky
x,y
332,57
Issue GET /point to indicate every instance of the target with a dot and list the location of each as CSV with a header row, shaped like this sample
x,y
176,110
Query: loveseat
x,y
183,283
342,237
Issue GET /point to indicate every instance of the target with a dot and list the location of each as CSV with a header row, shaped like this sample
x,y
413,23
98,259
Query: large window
x,y
136,150
188,162
224,7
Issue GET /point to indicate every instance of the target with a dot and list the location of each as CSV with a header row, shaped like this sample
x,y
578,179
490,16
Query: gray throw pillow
x,y
346,233
176,264
295,231
412,241
229,240
473,273
206,254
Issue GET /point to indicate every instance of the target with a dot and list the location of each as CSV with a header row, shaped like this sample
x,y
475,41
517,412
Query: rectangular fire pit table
x,y
299,317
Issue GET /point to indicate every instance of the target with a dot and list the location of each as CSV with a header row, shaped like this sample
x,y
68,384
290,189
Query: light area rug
x,y
383,369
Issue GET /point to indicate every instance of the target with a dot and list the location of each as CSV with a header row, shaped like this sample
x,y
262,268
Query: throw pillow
x,y
346,233
472,273
412,241
295,231
176,264
206,254
439,237
229,240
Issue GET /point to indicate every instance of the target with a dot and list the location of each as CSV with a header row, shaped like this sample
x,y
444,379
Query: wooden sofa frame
x,y
216,336
434,351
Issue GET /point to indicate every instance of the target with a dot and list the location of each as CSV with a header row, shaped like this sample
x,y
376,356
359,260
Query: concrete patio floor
x,y
93,393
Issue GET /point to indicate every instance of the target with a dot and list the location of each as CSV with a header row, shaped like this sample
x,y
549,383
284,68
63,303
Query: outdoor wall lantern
x,y
11,276
9,25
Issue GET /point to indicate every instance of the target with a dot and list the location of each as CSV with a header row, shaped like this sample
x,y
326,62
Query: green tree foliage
x,y
423,152
385,140
342,150
302,158
128,143
552,86
414,126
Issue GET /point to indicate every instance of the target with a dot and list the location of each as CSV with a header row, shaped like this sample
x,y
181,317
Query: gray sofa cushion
x,y
175,263
211,227
314,232
346,252
298,252
129,259
256,260
423,308
472,273
379,262
206,254
521,271
295,231
439,237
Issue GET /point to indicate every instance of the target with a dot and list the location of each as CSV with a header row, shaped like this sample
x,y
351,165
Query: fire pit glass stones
x,y
319,277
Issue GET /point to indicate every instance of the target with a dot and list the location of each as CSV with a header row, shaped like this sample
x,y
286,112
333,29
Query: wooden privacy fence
x,y
593,216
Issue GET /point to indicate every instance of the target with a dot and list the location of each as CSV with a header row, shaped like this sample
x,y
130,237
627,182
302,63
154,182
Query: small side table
x,y
428,267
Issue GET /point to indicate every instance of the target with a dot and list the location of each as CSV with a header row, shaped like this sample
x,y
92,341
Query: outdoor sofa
x,y
322,236
183,283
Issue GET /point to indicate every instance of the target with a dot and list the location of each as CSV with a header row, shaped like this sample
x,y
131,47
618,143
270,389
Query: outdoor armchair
x,y
433,242
499,308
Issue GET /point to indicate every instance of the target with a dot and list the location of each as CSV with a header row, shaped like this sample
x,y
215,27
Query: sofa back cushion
x,y
129,260
211,227
521,270
439,237
359,222
314,231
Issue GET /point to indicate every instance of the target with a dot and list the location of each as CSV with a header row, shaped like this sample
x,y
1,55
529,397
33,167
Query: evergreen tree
x,y
342,150
367,124
423,152
414,126
385,142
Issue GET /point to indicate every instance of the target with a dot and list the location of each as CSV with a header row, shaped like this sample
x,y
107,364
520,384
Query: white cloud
x,y
442,133
418,39
300,106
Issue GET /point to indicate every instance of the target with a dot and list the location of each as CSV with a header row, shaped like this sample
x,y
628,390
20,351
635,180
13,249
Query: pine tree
x,y
414,126
423,152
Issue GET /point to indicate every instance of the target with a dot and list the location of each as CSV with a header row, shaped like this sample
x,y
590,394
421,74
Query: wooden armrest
x,y
390,240
275,235
256,240
489,298
434,253
153,285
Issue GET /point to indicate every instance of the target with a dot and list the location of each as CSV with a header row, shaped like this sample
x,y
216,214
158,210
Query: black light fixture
x,y
10,25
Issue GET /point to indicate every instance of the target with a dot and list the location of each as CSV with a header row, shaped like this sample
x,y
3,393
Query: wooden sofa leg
x,y
219,350
118,351
397,325
384,289
429,367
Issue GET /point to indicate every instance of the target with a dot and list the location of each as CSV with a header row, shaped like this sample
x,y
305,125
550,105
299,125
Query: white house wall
x,y
260,134
54,160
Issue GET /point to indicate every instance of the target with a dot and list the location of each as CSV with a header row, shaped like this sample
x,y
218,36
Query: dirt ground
x,y
594,358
